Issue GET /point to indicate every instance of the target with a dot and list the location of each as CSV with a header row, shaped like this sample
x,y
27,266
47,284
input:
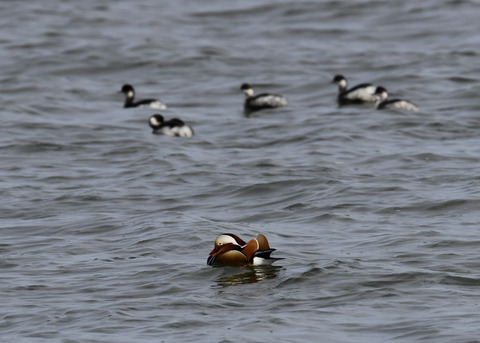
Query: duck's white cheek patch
x,y
248,92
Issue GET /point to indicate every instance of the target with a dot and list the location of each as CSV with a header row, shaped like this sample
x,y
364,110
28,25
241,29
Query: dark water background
x,y
105,228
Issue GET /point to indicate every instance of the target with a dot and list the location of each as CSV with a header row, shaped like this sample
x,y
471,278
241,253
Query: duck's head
x,y
225,240
128,90
382,93
340,80
155,121
247,89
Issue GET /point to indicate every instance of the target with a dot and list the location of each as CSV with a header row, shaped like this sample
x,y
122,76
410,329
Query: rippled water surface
x,y
106,228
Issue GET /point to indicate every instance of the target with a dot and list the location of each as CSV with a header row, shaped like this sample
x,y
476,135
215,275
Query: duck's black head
x,y
126,88
245,86
338,78
155,121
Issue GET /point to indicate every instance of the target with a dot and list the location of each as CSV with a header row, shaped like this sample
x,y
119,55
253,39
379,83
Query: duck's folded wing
x,y
263,242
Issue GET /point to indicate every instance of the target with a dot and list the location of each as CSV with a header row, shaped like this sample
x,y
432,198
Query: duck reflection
x,y
248,274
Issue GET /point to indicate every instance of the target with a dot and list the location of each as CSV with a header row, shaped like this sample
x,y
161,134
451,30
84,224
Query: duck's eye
x,y
220,243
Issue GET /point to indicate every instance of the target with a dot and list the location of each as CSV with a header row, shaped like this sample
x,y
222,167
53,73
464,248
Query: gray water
x,y
106,228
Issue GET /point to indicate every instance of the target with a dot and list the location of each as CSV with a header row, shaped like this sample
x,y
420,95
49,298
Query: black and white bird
x,y
261,101
393,104
360,94
173,127
129,92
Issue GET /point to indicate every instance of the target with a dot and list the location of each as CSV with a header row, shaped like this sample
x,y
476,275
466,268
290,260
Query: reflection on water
x,y
249,274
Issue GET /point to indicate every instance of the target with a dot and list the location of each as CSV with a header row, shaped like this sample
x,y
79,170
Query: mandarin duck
x,y
233,251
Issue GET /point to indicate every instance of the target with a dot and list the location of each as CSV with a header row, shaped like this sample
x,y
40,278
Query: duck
x,y
231,250
360,94
129,92
173,127
261,101
395,104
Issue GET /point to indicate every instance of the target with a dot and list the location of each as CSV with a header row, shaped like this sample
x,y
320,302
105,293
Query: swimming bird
x,y
360,94
395,104
172,127
129,92
231,250
261,101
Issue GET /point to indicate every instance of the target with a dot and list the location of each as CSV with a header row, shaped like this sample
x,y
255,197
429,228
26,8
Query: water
x,y
106,228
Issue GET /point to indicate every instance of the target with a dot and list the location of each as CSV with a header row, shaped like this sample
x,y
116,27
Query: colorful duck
x,y
231,250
